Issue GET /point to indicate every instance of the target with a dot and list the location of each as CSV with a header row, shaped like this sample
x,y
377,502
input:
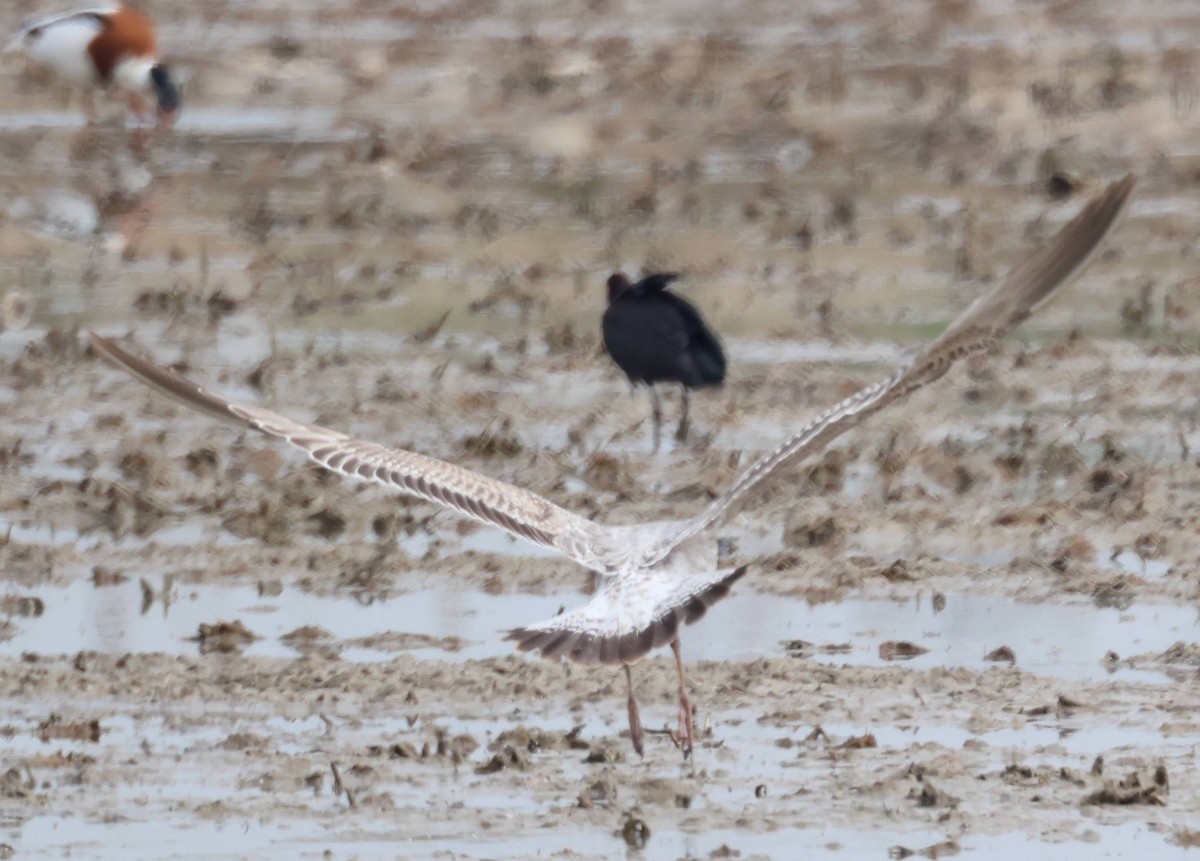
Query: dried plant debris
x,y
1041,775
103,576
900,650
1003,654
534,740
605,752
599,793
1135,788
55,727
897,572
495,441
507,757
16,783
859,742
308,638
457,747
404,641
1186,838
636,832
812,534
224,637
27,606
930,796
1118,595
1179,654
944,849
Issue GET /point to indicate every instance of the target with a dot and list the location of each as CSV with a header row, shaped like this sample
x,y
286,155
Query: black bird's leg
x,y
635,719
656,412
682,431
687,731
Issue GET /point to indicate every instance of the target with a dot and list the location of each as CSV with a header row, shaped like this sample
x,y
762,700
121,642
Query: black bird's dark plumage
x,y
657,336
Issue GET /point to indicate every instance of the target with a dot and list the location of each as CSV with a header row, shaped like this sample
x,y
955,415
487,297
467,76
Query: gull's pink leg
x,y
636,734
687,732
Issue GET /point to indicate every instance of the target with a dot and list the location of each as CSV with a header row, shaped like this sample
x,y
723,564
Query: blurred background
x,y
833,168
399,219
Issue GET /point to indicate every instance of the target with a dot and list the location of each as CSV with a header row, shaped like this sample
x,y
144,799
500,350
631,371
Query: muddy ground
x,y
971,627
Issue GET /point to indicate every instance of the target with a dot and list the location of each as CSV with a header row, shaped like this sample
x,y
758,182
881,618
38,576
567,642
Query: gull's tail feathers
x,y
627,617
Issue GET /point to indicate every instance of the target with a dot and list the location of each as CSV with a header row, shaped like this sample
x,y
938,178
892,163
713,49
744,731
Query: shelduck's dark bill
x,y
166,92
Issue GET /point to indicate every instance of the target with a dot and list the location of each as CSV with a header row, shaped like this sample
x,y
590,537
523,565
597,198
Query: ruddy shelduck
x,y
108,48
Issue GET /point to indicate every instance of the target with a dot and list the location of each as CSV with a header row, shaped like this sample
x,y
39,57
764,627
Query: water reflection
x,y
366,839
1066,640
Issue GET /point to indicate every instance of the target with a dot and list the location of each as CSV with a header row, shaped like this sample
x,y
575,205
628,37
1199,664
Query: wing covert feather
x,y
519,512
1028,286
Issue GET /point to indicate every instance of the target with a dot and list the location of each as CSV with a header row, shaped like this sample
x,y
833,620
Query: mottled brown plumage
x,y
654,577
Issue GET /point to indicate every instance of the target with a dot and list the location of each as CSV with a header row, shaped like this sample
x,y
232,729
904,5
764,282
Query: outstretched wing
x,y
1029,285
515,510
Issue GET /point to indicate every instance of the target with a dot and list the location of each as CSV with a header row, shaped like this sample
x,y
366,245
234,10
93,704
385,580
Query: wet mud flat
x,y
199,629
971,627
436,757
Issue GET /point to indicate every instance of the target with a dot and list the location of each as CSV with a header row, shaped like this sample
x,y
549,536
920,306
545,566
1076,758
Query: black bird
x,y
656,336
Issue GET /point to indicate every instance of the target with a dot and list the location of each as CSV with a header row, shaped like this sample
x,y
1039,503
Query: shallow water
x,y
1066,640
295,839
740,746
262,123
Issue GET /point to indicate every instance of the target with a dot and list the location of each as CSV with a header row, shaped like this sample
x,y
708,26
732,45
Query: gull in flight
x,y
653,578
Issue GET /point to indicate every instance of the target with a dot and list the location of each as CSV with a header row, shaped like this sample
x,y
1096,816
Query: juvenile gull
x,y
653,577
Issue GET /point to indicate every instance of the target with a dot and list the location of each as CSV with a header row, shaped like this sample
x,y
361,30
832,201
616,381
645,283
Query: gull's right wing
x,y
1028,286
